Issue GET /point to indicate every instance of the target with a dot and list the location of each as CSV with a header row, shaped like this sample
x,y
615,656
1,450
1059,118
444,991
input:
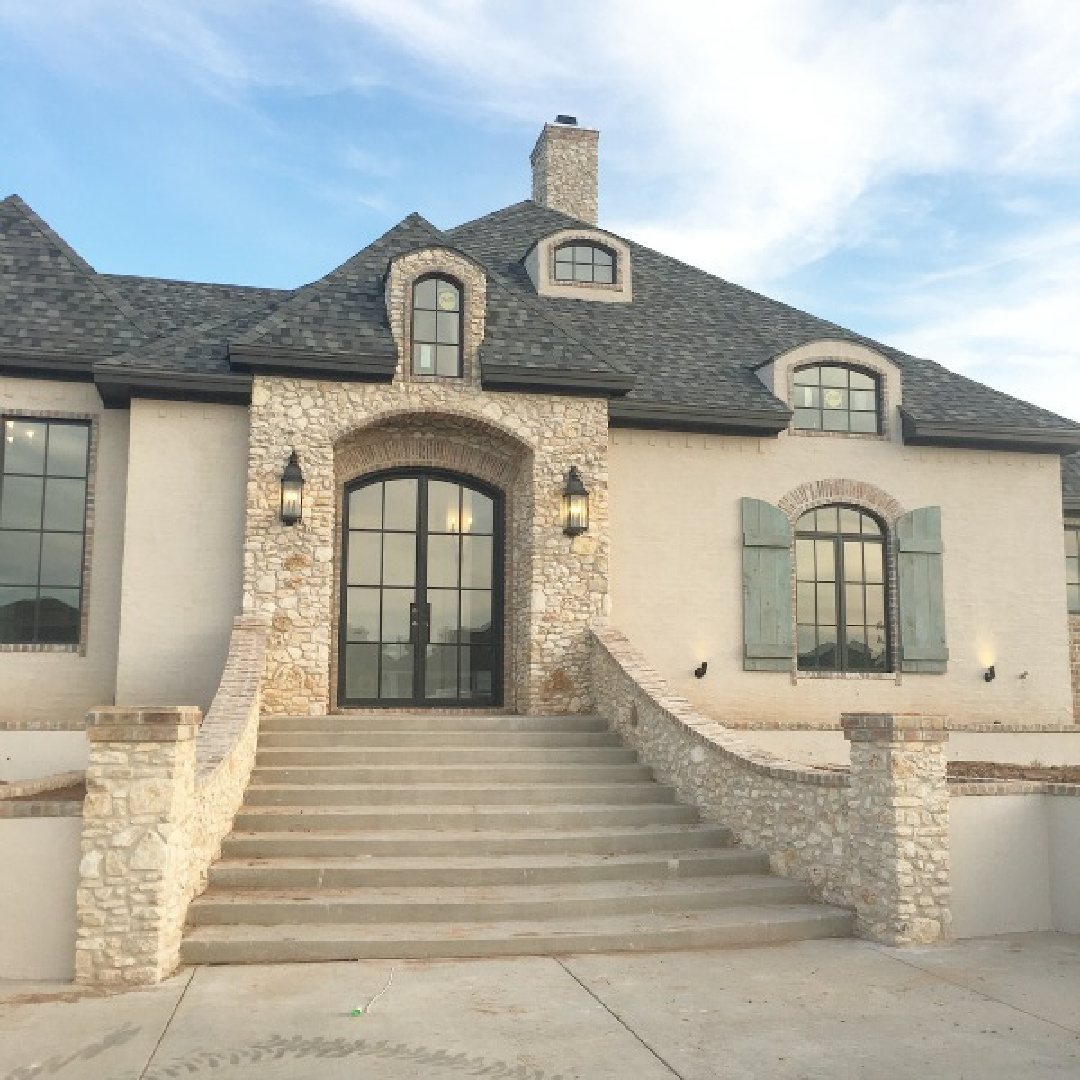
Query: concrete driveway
x,y
998,1007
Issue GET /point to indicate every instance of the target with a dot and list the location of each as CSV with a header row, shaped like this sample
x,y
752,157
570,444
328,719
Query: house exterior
x,y
789,520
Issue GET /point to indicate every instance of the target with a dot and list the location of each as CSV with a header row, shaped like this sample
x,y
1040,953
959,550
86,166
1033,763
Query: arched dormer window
x,y
437,314
835,397
840,600
586,262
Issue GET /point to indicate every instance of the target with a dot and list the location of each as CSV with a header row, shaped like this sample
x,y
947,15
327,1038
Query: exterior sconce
x,y
990,674
292,492
699,671
575,504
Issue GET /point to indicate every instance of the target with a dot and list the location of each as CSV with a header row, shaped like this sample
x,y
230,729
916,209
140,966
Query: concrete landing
x,y
1000,1007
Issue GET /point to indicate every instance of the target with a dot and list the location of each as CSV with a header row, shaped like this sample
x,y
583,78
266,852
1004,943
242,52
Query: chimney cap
x,y
569,121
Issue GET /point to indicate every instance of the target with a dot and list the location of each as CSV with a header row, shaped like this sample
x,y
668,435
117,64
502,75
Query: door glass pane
x,y
826,650
872,561
805,600
58,616
440,671
858,656
21,505
65,504
853,563
826,603
827,519
24,447
18,608
67,450
399,559
444,615
19,554
807,648
477,512
61,559
362,615
475,615
476,562
853,605
442,562
397,671
443,510
804,559
875,605
361,671
365,551
400,505
365,507
826,571
477,678
396,610
849,520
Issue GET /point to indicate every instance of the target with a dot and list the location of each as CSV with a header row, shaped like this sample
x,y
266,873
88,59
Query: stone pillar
x,y
565,170
131,902
899,820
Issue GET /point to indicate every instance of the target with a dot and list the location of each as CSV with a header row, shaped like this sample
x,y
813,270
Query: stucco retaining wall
x,y
28,754
1016,861
40,858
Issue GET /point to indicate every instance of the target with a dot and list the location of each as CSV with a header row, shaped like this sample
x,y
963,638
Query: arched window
x,y
436,327
584,262
830,397
840,603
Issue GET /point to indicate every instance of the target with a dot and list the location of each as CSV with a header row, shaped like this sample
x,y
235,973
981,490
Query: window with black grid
x,y
43,471
436,327
834,398
585,262
1072,566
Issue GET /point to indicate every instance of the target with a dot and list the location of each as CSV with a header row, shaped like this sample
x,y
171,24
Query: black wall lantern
x,y
575,504
292,492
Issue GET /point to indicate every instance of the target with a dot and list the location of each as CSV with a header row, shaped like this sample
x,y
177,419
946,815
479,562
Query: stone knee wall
x,y
523,443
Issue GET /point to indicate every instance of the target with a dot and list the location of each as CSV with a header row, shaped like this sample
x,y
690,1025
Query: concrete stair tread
x,y
444,836
424,722
736,926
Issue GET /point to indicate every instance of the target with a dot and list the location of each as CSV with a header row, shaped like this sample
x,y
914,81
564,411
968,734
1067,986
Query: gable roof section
x,y
693,340
59,314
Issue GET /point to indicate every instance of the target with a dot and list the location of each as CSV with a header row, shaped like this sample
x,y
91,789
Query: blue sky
x,y
910,170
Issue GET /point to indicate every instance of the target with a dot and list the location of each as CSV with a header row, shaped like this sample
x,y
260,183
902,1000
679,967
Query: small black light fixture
x,y
990,674
575,504
292,492
699,671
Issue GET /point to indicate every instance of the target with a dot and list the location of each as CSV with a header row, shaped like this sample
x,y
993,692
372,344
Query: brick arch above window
x,y
857,493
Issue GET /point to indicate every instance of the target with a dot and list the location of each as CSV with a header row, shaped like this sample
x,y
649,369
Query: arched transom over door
x,y
421,618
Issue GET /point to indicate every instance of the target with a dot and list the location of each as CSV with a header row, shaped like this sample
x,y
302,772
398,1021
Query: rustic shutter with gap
x,y
767,622
920,586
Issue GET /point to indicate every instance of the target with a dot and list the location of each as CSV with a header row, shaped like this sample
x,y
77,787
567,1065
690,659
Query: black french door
x,y
421,612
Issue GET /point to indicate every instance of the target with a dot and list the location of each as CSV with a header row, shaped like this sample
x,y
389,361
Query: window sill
x,y
8,647
813,433
848,676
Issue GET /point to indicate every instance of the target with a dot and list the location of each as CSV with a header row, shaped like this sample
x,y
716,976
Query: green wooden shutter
x,y
921,598
767,643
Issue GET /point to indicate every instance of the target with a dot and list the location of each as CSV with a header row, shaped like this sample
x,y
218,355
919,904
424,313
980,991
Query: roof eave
x,y
351,367
554,380
41,364
117,387
966,434
750,422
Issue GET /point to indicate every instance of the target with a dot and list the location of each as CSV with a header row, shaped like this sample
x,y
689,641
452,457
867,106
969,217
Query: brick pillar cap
x,y
144,716
899,727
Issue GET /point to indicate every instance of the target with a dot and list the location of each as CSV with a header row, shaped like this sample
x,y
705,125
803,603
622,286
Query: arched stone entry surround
x,y
522,444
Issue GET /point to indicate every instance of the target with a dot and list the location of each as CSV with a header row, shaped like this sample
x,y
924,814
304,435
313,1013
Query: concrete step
x,y
448,737
482,756
319,775
396,819
481,870
740,926
585,839
381,721
488,903
490,794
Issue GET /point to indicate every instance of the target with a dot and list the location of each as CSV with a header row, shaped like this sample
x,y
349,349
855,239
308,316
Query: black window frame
x,y
838,538
39,637
820,410
576,246
414,340
1072,566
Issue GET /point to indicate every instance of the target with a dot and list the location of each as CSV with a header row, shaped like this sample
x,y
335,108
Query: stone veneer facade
x,y
565,171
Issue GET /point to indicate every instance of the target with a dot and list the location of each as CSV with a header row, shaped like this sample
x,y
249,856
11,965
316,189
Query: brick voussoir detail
x,y
874,838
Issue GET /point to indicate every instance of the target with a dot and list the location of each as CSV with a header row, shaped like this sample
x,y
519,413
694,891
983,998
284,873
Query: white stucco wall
x,y
183,550
1015,863
59,687
40,857
27,755
676,586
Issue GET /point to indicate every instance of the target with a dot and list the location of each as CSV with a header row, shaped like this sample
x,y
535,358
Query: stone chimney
x,y
565,167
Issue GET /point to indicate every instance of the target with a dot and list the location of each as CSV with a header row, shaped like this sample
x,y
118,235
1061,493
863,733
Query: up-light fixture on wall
x,y
575,504
990,674
699,671
292,492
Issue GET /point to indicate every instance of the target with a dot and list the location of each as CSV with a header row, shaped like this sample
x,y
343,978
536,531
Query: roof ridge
x,y
186,281
80,264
